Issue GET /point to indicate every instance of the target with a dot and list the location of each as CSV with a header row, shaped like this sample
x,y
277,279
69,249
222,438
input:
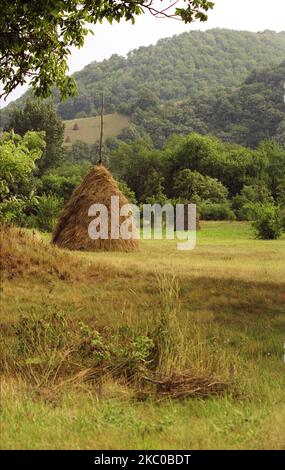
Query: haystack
x,y
71,231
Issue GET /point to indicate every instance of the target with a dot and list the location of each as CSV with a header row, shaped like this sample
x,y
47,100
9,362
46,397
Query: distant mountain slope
x,y
252,113
247,114
176,68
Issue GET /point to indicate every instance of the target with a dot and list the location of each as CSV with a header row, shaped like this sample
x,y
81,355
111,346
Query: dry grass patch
x,y
26,253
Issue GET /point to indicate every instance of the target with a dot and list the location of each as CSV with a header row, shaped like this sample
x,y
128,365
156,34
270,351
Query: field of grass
x,y
222,308
89,128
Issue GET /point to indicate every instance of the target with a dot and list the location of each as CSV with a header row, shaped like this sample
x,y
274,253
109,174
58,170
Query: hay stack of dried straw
x,y
71,231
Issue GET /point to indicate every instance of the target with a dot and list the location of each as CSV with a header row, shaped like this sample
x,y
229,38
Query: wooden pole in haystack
x,y
101,131
98,187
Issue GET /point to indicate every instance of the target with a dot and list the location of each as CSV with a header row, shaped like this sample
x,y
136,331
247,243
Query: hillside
x,y
176,68
247,114
250,114
88,129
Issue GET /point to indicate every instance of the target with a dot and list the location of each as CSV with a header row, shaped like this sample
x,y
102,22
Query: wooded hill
x,y
247,115
180,67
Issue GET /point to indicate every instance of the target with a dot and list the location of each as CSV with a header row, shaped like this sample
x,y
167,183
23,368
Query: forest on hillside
x,y
177,68
246,114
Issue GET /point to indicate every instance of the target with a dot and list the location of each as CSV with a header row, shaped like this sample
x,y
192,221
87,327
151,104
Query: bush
x,y
38,211
250,194
211,211
267,220
81,114
13,210
47,210
17,163
60,186
130,195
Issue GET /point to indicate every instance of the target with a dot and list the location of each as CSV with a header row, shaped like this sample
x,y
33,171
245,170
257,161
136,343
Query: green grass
x,y
78,421
89,128
224,250
230,309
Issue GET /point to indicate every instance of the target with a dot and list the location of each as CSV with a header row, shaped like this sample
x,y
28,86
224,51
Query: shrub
x,y
17,163
81,114
47,210
256,193
122,353
38,211
267,221
13,210
60,186
209,211
128,192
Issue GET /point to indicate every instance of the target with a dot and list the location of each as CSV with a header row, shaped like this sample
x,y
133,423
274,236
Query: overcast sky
x,y
250,15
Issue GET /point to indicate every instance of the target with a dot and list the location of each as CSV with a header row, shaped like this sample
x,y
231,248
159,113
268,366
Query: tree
x,y
128,162
153,186
61,186
231,164
280,135
192,186
62,181
40,116
78,152
17,183
280,192
36,35
130,195
146,99
17,162
196,88
275,156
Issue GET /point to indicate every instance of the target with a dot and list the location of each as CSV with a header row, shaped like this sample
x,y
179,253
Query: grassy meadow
x,y
89,128
70,320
